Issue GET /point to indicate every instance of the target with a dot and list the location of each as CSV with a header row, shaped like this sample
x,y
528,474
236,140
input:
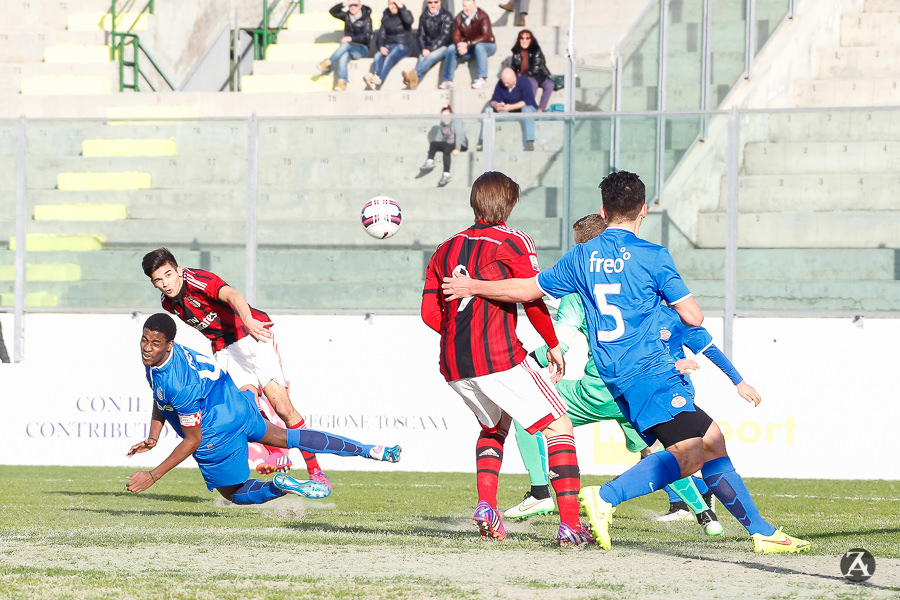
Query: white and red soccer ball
x,y
381,217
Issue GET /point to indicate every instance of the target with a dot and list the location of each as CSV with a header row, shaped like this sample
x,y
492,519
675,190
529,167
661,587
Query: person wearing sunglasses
x,y
434,37
528,60
355,42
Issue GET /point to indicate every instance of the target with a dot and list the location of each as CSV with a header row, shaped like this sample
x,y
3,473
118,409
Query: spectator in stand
x,y
513,94
393,40
448,138
472,37
521,5
434,37
355,43
528,60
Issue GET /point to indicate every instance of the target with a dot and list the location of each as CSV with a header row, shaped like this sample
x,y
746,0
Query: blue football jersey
x,y
678,336
622,281
190,389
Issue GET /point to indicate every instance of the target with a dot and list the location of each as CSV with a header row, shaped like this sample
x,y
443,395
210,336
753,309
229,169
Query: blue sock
x,y
254,491
729,488
673,497
651,474
320,442
701,485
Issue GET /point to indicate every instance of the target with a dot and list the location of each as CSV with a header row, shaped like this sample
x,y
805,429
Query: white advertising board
x,y
80,396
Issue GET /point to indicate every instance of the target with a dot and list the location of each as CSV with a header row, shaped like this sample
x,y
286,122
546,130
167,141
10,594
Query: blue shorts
x,y
655,399
223,454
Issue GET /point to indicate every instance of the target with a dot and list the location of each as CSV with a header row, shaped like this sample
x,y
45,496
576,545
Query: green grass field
x,y
75,533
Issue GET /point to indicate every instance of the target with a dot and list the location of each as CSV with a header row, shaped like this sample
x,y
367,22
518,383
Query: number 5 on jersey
x,y
601,291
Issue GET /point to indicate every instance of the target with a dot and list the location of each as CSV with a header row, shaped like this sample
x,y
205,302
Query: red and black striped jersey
x,y
198,305
478,336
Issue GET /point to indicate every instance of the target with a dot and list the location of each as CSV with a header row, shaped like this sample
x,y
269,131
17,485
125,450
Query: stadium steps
x,y
42,272
60,242
32,299
862,70
789,229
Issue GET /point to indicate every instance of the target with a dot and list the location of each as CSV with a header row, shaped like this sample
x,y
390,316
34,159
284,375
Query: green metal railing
x,y
121,40
117,12
266,35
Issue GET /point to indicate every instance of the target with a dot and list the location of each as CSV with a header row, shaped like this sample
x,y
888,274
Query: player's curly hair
x,y
161,323
154,259
493,197
623,196
588,227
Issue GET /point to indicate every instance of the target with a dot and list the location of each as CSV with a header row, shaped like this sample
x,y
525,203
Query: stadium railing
x,y
786,212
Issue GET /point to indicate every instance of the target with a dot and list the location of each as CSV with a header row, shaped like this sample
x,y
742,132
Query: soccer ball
x,y
381,217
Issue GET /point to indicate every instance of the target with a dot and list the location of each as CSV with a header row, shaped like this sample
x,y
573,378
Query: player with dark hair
x,y
623,281
589,401
484,362
216,421
242,341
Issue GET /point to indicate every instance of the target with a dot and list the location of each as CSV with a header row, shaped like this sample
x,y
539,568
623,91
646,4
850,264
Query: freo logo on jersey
x,y
608,265
678,401
664,334
159,394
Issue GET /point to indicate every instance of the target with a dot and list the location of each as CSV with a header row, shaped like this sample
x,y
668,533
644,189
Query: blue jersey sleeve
x,y
560,279
697,339
670,284
721,361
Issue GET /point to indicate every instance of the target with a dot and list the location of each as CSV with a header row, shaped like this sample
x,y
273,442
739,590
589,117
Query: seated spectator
x,y
434,36
448,138
392,40
513,94
472,37
528,60
355,43
521,5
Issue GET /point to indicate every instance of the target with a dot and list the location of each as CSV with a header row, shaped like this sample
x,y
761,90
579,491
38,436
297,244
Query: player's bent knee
x,y
561,426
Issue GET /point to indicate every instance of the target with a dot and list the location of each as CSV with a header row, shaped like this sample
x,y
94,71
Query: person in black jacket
x,y
434,37
355,43
528,60
392,40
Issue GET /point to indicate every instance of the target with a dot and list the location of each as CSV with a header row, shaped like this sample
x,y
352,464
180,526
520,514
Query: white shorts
x,y
524,392
252,363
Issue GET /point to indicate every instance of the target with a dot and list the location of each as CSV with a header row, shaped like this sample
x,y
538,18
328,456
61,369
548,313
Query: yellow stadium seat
x,y
44,242
286,83
76,53
129,147
43,272
116,180
80,212
300,52
63,85
91,21
32,299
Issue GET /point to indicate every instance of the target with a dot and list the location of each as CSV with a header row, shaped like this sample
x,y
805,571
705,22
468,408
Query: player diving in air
x,y
216,421
241,338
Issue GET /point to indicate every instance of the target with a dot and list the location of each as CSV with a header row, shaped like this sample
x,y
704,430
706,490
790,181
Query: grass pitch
x,y
75,533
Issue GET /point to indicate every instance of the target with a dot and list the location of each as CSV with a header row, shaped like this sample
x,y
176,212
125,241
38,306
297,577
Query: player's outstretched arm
x,y
258,329
748,393
157,422
142,480
504,290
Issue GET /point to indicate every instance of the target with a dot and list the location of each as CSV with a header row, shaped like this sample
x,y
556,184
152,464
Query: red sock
x,y
565,478
312,464
488,457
